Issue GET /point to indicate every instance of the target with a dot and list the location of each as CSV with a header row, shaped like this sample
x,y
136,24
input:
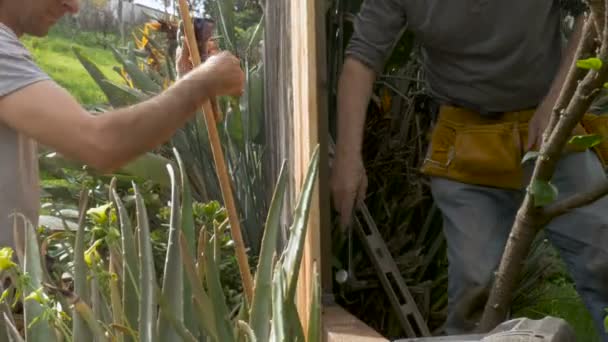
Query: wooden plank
x,y
324,171
306,136
278,119
340,326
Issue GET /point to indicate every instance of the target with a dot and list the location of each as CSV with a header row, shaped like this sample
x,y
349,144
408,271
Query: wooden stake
x,y
220,163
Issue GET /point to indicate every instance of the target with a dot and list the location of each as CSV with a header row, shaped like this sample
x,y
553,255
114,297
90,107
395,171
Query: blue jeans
x,y
477,222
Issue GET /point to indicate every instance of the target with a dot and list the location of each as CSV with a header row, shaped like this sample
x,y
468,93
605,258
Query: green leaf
x,y
187,226
13,333
173,284
589,63
314,321
130,266
216,292
585,141
115,97
246,329
36,329
140,79
81,289
147,279
206,316
278,312
606,322
530,155
543,192
292,256
262,298
224,10
149,167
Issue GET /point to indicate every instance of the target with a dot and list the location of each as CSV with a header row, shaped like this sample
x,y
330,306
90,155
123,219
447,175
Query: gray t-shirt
x,y
487,55
19,183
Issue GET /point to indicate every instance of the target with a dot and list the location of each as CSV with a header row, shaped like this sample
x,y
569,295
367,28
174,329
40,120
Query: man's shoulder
x,y
10,43
17,67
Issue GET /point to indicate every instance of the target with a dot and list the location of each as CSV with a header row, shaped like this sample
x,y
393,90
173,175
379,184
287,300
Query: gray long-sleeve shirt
x,y
489,55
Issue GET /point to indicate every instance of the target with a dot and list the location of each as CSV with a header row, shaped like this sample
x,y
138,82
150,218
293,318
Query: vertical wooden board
x,y
278,121
325,205
306,135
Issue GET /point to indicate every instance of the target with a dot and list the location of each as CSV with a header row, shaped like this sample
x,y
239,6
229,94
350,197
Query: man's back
x,y
18,153
489,55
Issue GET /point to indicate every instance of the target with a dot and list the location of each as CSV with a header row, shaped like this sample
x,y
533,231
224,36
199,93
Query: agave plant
x,y
147,68
116,295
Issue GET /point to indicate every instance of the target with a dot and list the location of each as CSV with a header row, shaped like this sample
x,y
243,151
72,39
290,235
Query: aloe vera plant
x,y
147,68
143,309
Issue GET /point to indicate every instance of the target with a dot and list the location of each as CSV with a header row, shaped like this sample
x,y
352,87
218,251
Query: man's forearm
x,y
130,131
355,89
567,59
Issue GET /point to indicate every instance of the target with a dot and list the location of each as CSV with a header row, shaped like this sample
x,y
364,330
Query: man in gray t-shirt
x,y
34,109
485,62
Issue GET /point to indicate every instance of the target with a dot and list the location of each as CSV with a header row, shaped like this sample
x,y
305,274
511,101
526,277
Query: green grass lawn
x,y
54,55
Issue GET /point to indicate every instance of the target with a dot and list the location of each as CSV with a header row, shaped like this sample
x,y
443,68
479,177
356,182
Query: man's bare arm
x,y
567,59
542,116
354,93
50,115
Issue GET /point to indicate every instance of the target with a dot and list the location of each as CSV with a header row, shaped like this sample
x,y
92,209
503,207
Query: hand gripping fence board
x,y
394,286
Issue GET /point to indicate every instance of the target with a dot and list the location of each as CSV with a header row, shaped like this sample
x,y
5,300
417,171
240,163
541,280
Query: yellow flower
x,y
91,256
6,258
37,295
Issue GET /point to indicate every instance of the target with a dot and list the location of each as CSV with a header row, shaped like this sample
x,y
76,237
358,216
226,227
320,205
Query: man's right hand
x,y
348,185
223,75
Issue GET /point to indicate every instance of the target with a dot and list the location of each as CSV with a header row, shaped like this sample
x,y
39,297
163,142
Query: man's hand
x,y
348,185
538,124
224,74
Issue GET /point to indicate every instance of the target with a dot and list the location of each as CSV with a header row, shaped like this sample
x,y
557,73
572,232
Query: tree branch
x,y
529,217
587,44
598,9
573,202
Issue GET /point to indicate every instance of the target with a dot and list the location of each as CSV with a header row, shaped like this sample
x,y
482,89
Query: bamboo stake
x,y
220,163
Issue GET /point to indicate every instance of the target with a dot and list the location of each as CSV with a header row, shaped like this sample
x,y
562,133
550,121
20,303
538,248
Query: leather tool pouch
x,y
598,124
474,149
471,149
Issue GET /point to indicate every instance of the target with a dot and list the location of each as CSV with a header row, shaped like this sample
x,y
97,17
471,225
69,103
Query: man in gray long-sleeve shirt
x,y
486,62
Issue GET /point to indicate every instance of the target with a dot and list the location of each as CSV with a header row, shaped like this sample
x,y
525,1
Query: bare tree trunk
x,y
531,218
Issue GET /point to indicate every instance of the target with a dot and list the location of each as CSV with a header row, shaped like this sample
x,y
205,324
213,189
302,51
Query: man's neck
x,y
10,21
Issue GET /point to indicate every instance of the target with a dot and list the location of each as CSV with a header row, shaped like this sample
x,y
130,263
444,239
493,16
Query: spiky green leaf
x,y
130,264
261,306
147,279
206,316
293,253
80,328
278,313
219,300
187,226
140,79
115,97
314,321
173,284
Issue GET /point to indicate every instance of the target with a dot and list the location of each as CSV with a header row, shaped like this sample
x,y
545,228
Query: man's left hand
x,y
537,126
